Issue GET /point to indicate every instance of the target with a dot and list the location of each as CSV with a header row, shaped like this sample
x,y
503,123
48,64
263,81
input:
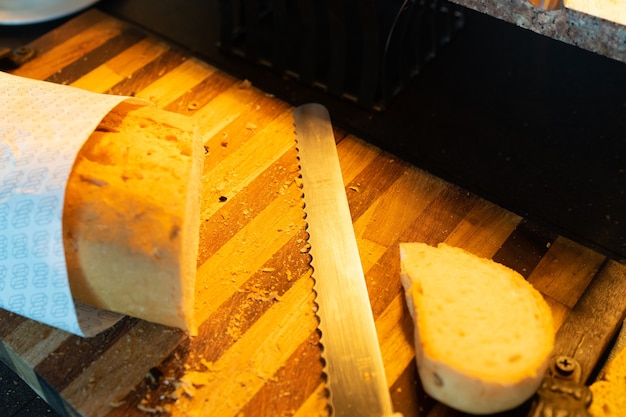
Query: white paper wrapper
x,y
42,128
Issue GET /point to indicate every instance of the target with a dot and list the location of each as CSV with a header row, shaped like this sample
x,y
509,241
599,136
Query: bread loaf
x,y
483,334
131,216
609,393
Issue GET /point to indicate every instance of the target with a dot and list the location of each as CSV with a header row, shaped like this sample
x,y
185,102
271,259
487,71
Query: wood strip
x,y
595,318
72,49
246,253
182,78
198,96
225,108
484,229
315,405
565,271
121,66
229,176
525,247
49,341
280,393
21,368
9,322
93,59
435,223
408,396
66,361
107,378
355,156
243,124
417,191
379,174
216,230
230,385
68,30
559,312
395,334
143,77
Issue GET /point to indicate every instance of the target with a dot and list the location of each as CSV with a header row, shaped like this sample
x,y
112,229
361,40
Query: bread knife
x,y
353,365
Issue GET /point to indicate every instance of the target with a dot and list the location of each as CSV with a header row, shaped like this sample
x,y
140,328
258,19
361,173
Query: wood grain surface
x,y
257,352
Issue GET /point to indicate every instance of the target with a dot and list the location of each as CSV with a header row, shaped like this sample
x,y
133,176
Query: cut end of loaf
x,y
483,334
131,216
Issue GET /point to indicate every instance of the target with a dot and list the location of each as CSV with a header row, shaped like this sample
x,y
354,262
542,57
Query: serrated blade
x,y
356,379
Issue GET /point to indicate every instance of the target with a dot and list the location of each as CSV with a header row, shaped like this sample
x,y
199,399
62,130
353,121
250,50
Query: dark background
x,y
528,122
525,121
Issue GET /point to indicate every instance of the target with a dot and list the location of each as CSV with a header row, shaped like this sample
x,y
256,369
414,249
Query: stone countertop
x,y
595,25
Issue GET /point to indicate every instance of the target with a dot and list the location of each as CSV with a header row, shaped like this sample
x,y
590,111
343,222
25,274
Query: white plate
x,y
21,12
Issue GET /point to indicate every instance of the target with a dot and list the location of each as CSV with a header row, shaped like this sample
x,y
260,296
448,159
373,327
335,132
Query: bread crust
x,y
444,375
469,394
609,392
131,216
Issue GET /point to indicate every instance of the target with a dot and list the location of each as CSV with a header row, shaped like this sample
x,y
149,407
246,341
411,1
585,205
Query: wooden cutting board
x,y
257,353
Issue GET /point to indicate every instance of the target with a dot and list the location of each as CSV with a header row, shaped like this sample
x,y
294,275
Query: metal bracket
x,y
14,58
562,392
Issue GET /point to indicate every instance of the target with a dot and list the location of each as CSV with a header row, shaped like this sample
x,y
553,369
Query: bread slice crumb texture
x,y
477,316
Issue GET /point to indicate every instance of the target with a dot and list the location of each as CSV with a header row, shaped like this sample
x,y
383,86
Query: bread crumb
x,y
183,387
245,84
233,328
209,365
151,410
258,295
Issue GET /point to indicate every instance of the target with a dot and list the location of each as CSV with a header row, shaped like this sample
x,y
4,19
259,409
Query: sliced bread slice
x,y
483,334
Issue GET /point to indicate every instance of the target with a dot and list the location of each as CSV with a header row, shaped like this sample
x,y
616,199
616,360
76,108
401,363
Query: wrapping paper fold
x,y
42,128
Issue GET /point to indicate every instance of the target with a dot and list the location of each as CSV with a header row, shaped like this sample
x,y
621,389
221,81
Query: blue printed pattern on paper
x,y
40,135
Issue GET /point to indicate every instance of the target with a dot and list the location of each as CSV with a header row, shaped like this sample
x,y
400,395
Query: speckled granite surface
x,y
583,29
